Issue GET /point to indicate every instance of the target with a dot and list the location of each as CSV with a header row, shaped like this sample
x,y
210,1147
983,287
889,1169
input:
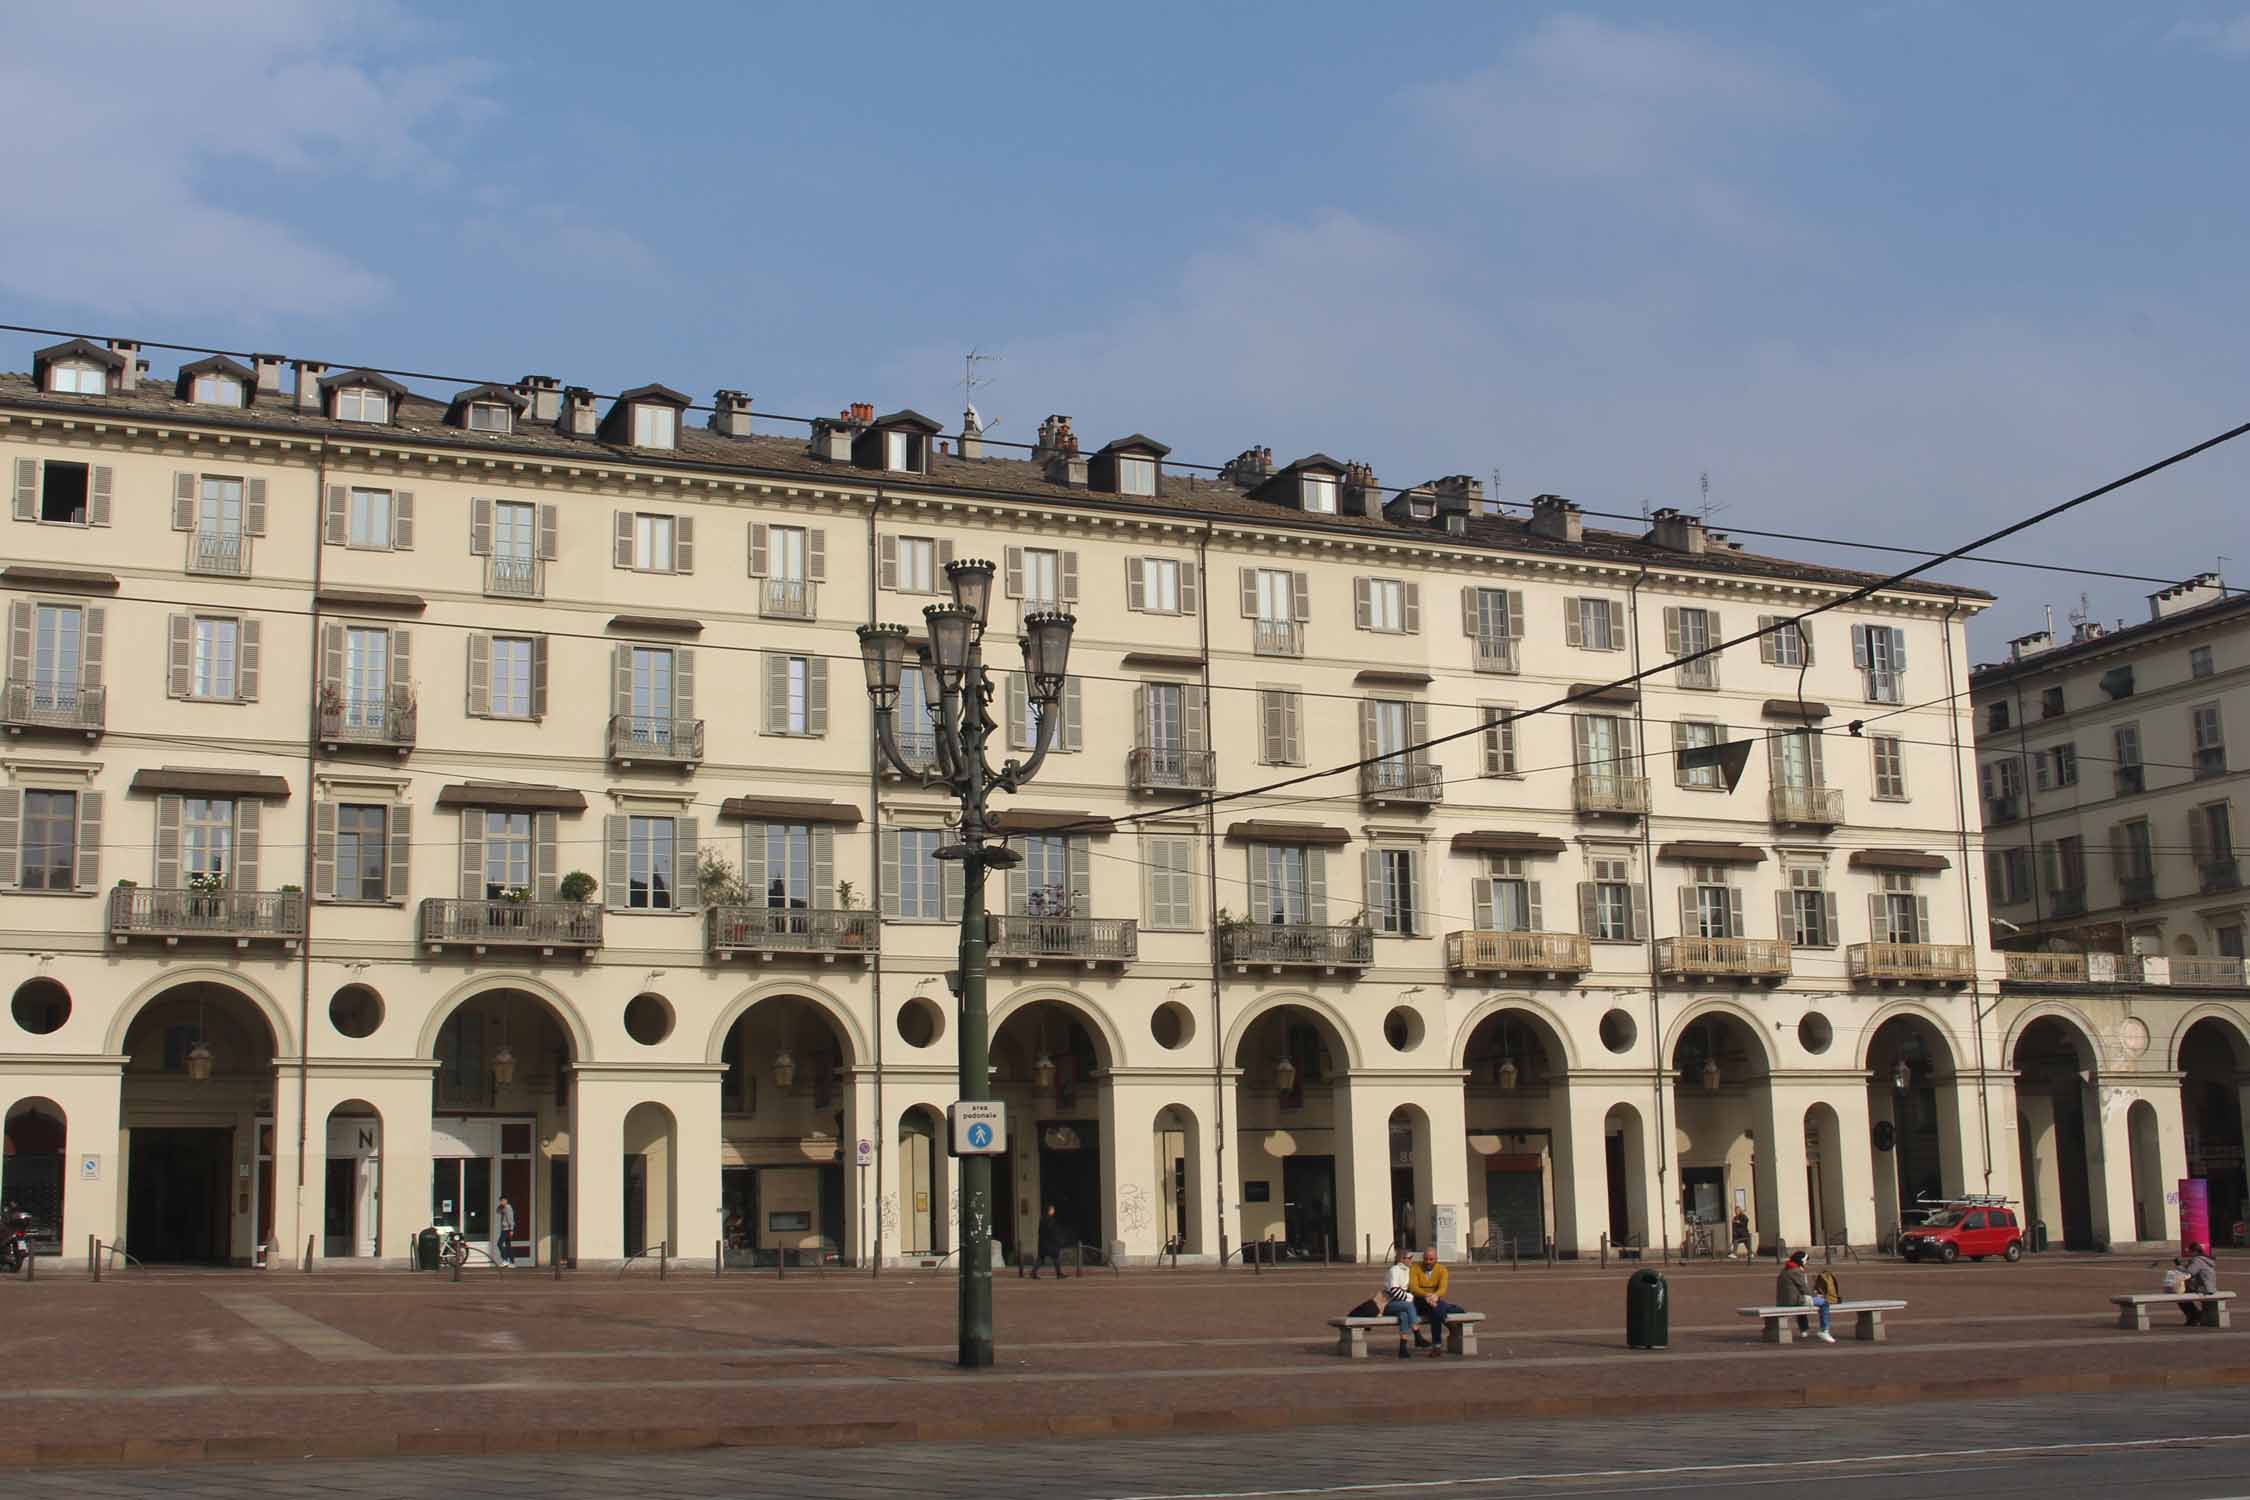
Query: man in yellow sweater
x,y
1429,1282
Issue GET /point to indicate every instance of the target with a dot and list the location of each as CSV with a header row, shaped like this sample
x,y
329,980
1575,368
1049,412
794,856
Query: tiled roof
x,y
1188,496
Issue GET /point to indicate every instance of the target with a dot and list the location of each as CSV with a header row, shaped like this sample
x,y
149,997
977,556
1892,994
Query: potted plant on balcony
x,y
849,932
206,896
724,897
576,886
509,911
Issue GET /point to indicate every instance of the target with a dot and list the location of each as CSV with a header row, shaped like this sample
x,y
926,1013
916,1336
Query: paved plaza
x,y
204,1366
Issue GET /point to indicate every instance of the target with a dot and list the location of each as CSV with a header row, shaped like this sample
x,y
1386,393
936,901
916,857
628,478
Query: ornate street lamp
x,y
1901,1075
959,693
1284,1074
1505,1076
504,1065
784,1068
199,1055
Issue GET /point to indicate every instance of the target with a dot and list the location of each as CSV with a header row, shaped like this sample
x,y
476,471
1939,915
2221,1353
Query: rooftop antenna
x,y
2223,560
1493,503
1709,510
971,382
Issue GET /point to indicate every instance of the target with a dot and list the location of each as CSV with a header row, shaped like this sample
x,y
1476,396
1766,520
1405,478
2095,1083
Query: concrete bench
x,y
1351,1333
1784,1323
2132,1307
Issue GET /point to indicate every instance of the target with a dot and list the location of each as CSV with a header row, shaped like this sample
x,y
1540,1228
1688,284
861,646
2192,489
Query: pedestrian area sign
x,y
980,1127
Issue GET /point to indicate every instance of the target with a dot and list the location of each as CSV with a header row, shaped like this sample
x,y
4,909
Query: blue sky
x,y
1894,272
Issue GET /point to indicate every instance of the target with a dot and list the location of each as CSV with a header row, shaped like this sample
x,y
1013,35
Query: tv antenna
x,y
972,382
1703,480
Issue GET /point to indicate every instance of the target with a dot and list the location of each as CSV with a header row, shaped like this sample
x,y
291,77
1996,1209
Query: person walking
x,y
1741,1240
504,1233
1429,1281
2198,1273
1397,1300
1790,1289
1050,1244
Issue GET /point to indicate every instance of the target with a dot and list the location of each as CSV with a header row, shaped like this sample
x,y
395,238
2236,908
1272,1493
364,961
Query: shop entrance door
x,y
1308,1205
1515,1200
461,1195
1070,1178
176,1196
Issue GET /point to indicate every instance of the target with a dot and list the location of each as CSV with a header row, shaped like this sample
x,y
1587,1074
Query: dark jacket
x,y
2202,1274
1050,1235
1790,1289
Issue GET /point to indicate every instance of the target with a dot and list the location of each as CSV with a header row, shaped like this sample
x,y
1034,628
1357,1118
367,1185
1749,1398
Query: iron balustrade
x,y
918,748
643,737
369,719
1302,945
770,930
515,577
56,705
1102,940
1724,957
1148,768
787,599
2068,901
2221,875
1927,963
1277,638
223,554
174,913
1621,795
1481,950
2046,968
2221,973
495,922
1400,778
1813,806
2134,889
1496,653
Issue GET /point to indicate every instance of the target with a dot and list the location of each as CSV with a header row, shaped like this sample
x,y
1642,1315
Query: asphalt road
x,y
2185,1446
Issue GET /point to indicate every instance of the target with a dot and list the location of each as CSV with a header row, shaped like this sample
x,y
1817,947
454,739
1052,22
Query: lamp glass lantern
x,y
1046,653
1285,1074
784,1068
971,582
199,1061
1505,1075
1710,1073
951,630
1901,1075
504,1065
882,651
1043,1072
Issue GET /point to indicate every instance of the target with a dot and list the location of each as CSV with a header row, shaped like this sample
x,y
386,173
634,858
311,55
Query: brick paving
x,y
198,1365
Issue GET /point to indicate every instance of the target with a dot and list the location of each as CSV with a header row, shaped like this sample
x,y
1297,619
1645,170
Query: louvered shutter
x,y
754,865
1769,649
683,544
1371,889
617,873
816,695
1413,616
1261,889
1300,597
1785,918
1878,920
1471,625
1640,912
1136,583
1074,717
20,616
824,869
539,677
683,685
944,560
890,874
622,551
1859,647
480,527
399,868
1582,738
1140,717
1690,918
550,529
168,841
2199,839
777,693
87,874
546,837
11,838
1191,598
332,657
816,554
1735,924
1898,651
1077,862
1533,913
1671,631
1813,762
93,645
1828,936
480,676
1367,716
1363,603
1573,624
886,562
179,671
1273,728
402,521
324,851
1194,718
249,814
1480,901
1292,737
687,889
1418,731
1589,909
1020,736
472,853
1250,593
950,887
1067,567
1012,571
1316,887
98,504
27,489
402,668
757,550
183,501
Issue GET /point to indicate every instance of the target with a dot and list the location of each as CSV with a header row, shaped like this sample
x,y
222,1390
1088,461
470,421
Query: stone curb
x,y
470,1443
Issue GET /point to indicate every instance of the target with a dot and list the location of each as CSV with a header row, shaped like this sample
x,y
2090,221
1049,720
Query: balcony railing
x,y
1623,796
549,926
2074,968
1478,951
2214,973
2067,901
918,746
240,917
787,599
769,932
515,577
1086,940
637,739
2221,875
222,554
1700,674
1998,810
2134,889
2130,779
1298,945
386,719
56,706
1277,638
1723,958
1148,769
1809,806
1911,963
1496,653
1400,779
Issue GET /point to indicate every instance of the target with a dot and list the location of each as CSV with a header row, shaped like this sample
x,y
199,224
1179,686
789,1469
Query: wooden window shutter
x,y
1691,921
1812,747
1859,647
944,557
777,693
886,563
816,554
1769,649
249,655
757,549
1363,606
754,863
400,865
402,521
1019,891
1640,913
93,645
472,853
480,676
1261,890
248,815
1589,909
1785,918
1195,718
683,544
1300,597
823,893
890,875
546,838
687,890
332,656
1191,597
183,500
402,666
550,528
683,684
1534,913
1921,919
538,677
1020,736
1068,569
949,885
617,875
27,491
1573,623
1418,729
1136,583
1273,728
98,504
623,550
1250,593
1413,609
1073,721
621,680
324,851
1480,903
11,837
1012,570
2199,838
1292,738
1316,887
1077,861
1515,614
1671,631
1735,924
1469,593
20,617
87,873
480,527
816,695
1367,715
1878,918
179,674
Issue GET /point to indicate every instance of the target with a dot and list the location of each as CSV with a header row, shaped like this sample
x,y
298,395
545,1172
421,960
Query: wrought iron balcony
x,y
219,554
2135,889
2073,968
2211,973
548,926
386,720
787,598
2067,901
637,739
2221,875
1723,958
515,577
239,917
918,746
1702,674
1081,940
59,707
1297,945
1152,770
1277,638
1808,806
1478,951
1402,779
770,932
1911,963
1618,796
1496,653
2130,778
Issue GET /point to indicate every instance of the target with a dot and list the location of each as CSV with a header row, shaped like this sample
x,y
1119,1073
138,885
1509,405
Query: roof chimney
x,y
1556,519
2202,589
309,372
268,367
832,438
135,366
1678,532
1057,453
972,434
730,414
1252,466
1363,492
544,392
579,418
2024,647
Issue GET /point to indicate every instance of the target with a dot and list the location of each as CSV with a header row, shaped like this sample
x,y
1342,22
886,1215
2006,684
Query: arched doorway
x,y
1719,1074
351,1220
2060,1140
2214,1064
652,1186
196,1101
31,1172
502,1122
1517,1193
1410,1158
2148,1172
1916,1148
1049,1065
1824,1176
1625,1151
787,1111
1179,1181
1293,1123
924,1224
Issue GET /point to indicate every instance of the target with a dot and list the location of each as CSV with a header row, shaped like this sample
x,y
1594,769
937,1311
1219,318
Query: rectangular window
x,y
370,518
1904,914
2051,703
1171,882
2199,661
1697,628
1513,901
786,553
1709,903
207,837
1603,741
57,657
1279,743
1499,739
1890,768
921,887
1996,716
217,656
2210,742
1687,735
1285,885
917,565
362,851
652,544
511,676
1046,875
653,425
1393,901
1136,476
218,525
2070,865
1612,903
367,670
50,840
2228,940
2012,875
2133,853
2125,740
1494,621
1810,908
2059,764
490,416
1319,494
648,853
1879,651
652,696
1595,625
361,403
515,531
1042,578
215,390
795,717
77,380
898,452
62,498
1160,585
507,853
1272,594
1386,605
1787,645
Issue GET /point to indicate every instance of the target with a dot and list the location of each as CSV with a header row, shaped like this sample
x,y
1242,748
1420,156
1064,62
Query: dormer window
x,y
362,403
1422,510
491,416
1318,494
654,426
71,378
898,452
216,390
1136,476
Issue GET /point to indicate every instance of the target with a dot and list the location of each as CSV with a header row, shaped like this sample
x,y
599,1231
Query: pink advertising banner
x,y
2195,1212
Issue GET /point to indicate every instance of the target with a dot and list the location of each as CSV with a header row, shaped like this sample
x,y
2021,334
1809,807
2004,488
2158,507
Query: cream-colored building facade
x,y
412,802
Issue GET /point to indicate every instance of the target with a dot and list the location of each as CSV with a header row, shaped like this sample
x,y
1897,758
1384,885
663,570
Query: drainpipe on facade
x,y
1661,1143
1211,893
875,900
312,772
1968,900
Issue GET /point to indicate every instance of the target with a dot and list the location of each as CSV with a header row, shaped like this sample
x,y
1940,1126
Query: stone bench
x,y
1783,1323
1351,1333
2132,1307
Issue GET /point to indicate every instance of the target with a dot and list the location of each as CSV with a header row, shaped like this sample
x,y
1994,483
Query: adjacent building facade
x,y
412,802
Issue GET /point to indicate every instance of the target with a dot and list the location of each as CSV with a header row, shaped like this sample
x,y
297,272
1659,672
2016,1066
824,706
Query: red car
x,y
1974,1232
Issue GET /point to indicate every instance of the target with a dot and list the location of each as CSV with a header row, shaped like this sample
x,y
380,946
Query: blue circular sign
x,y
980,1135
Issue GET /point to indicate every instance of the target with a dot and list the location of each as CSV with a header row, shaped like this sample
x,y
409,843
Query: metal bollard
x,y
718,1257
94,1256
663,1258
308,1254
1605,1250
1325,1244
554,1261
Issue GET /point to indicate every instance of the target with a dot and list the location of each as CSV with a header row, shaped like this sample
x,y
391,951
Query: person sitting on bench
x,y
1790,1289
1429,1282
2198,1273
1397,1301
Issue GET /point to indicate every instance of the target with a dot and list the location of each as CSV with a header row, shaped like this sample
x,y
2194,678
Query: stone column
x,y
1363,1168
1582,1103
400,1095
1784,1210
1853,1155
88,1092
2109,1157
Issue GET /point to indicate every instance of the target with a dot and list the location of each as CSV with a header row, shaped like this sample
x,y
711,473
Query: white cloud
x,y
2227,38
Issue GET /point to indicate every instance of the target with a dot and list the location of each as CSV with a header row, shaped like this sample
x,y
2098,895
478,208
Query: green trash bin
x,y
1648,1311
426,1250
